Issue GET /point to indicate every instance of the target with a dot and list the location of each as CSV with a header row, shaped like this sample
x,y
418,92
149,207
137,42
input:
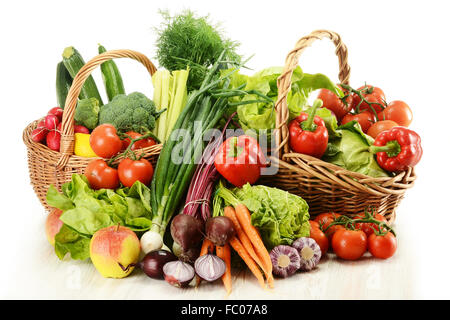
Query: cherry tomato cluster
x,y
106,142
48,130
367,105
351,238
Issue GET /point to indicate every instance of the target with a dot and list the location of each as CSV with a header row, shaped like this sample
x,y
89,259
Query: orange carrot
x,y
207,247
239,248
230,213
225,254
243,216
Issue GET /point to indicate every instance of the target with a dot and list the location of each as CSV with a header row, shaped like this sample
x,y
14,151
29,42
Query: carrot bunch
x,y
248,244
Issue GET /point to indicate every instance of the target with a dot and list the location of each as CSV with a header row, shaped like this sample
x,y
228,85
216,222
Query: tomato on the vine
x,y
349,244
101,176
144,143
382,246
105,141
332,102
365,119
324,220
367,227
321,239
371,94
397,111
131,171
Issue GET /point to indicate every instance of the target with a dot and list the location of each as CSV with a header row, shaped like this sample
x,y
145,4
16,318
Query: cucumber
x,y
73,62
111,77
63,83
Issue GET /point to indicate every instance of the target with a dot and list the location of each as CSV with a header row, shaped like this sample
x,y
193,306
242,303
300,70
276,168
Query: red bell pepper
x,y
397,149
308,133
239,160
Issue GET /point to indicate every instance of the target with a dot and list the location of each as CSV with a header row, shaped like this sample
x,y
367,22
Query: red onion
x,y
154,261
178,273
209,267
309,252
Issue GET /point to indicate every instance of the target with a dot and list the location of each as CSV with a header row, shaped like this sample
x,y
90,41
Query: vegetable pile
x,y
201,211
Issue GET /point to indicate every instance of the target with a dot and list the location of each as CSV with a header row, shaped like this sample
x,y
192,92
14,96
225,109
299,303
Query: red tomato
x,y
365,119
324,220
56,111
332,102
382,247
131,171
320,238
101,176
349,244
397,111
380,126
314,224
104,141
53,140
367,227
239,160
144,143
371,94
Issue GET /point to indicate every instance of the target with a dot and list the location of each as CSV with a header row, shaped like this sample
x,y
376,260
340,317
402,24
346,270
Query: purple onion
x,y
285,260
154,261
209,267
178,273
309,252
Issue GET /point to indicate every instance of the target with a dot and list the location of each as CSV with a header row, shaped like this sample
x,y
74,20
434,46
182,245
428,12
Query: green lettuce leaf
x,y
85,211
350,150
280,216
260,116
70,241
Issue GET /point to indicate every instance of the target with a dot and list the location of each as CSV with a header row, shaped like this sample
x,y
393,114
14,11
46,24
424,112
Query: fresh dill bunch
x,y
189,40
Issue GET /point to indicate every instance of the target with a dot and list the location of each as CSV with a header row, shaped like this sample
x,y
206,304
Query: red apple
x,y
115,251
52,225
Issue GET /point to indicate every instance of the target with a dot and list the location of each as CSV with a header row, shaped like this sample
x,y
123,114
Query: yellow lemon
x,y
82,145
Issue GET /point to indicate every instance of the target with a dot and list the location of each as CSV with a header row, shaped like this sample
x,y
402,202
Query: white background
x,y
400,46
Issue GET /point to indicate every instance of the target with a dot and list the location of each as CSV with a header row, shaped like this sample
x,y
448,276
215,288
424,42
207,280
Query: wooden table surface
x,y
41,275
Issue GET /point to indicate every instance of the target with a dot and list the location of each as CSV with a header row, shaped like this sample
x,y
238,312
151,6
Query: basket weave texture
x,y
47,167
325,186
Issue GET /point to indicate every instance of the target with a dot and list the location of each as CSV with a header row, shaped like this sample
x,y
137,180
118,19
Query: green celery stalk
x,y
179,97
157,92
165,100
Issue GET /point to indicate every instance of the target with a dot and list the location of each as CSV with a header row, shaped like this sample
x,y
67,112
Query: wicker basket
x,y
327,187
50,167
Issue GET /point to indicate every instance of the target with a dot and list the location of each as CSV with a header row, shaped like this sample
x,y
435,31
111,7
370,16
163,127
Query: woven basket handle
x,y
284,81
67,143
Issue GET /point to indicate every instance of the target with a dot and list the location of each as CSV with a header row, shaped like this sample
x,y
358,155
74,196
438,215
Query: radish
x,y
51,121
53,140
39,134
56,111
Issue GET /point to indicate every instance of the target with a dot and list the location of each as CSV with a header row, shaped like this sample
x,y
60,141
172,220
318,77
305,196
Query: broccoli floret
x,y
86,112
133,112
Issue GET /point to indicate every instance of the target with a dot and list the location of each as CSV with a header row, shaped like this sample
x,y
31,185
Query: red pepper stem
x,y
308,125
392,148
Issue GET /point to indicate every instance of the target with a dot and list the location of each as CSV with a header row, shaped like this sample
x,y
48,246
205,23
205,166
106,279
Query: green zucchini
x,y
63,83
73,62
111,77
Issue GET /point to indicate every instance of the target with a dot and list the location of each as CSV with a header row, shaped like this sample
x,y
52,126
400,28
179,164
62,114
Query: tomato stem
x,y
359,93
